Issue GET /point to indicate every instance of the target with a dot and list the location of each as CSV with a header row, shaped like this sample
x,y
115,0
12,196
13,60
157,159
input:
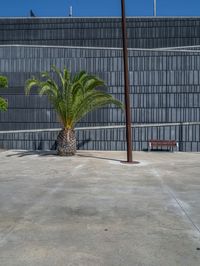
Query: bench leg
x,y
149,147
177,147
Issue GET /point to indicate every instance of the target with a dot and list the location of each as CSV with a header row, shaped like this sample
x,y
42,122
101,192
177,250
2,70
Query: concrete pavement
x,y
90,210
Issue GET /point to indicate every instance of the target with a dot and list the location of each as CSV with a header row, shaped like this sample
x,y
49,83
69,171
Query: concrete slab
x,y
91,210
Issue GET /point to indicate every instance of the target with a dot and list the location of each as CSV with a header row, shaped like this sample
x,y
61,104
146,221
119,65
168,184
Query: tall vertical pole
x,y
70,11
126,81
155,8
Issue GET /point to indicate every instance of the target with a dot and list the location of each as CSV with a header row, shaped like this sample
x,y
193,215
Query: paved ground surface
x,y
91,210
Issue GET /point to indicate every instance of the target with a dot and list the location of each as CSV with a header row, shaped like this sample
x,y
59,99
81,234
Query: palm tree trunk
x,y
66,142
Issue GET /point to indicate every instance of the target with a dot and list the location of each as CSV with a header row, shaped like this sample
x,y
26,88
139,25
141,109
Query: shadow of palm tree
x,y
98,157
29,153
82,143
54,153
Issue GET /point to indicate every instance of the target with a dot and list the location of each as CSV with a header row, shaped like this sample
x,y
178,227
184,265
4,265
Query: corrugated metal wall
x,y
164,89
101,32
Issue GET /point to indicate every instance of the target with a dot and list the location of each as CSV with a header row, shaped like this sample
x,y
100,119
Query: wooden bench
x,y
162,143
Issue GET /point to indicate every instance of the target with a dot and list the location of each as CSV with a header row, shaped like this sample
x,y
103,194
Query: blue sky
x,y
99,7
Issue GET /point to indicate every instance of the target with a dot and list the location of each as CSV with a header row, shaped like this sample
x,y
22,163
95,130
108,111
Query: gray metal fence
x,y
164,89
143,32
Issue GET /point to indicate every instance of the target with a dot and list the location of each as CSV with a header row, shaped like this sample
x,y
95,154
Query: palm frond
x,y
30,83
3,82
3,104
93,100
48,78
93,83
59,74
66,75
79,76
75,97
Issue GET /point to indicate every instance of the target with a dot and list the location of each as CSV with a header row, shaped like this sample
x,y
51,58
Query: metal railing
x,y
102,127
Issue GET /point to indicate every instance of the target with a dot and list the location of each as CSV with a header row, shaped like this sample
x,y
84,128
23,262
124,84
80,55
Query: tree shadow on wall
x,y
81,144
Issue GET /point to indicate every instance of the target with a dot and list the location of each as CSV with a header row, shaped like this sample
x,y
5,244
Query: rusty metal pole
x,y
126,83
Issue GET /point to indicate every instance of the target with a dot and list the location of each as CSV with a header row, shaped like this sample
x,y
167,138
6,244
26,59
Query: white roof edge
x,y
167,49
178,47
60,46
102,17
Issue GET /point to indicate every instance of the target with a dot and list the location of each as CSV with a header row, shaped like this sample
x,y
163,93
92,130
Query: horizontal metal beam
x,y
101,127
164,49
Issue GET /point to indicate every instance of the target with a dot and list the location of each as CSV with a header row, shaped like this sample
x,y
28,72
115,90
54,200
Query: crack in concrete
x,y
171,193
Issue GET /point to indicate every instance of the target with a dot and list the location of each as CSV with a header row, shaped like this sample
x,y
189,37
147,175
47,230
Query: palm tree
x,y
72,97
3,102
